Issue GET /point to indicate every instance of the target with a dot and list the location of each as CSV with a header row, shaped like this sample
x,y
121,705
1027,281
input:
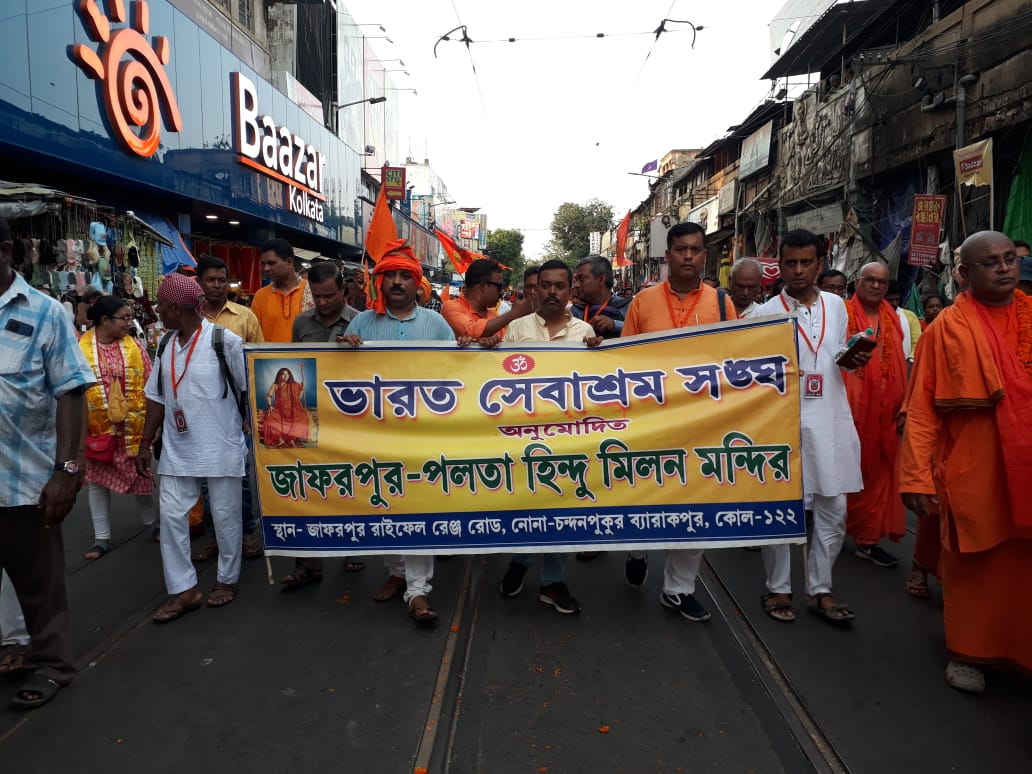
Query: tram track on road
x,y
434,747
814,743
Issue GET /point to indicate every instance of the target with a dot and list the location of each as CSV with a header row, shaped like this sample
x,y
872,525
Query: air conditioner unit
x,y
370,150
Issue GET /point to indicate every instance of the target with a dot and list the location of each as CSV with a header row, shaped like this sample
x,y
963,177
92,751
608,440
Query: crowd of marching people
x,y
897,413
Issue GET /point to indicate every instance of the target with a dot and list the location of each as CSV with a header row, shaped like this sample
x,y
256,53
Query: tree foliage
x,y
571,225
505,245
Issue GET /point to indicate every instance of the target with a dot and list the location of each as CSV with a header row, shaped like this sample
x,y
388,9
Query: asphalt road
x,y
325,678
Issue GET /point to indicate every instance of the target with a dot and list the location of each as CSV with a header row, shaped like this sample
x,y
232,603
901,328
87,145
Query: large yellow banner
x,y
677,440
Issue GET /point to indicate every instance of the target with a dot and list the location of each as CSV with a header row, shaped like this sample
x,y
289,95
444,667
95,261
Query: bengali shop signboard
x,y
678,440
929,211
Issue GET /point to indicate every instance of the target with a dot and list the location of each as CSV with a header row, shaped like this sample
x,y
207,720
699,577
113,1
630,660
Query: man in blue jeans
x,y
551,322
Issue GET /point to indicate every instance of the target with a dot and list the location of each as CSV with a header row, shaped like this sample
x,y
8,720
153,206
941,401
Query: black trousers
x,y
33,557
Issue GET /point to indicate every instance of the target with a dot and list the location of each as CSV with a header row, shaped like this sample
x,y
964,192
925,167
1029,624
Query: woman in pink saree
x,y
286,420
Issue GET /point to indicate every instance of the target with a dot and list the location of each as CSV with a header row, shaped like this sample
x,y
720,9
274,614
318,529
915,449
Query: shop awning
x,y
306,255
838,32
174,252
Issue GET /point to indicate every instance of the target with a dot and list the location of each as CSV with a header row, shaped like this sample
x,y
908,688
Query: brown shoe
x,y
390,589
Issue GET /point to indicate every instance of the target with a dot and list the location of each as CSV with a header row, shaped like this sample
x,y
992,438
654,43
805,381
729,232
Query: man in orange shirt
x,y
967,449
285,297
473,313
682,301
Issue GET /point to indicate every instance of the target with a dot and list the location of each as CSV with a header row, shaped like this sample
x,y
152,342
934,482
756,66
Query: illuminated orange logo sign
x,y
131,73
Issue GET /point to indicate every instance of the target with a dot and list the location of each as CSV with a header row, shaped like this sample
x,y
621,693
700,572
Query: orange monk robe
x,y
954,415
286,422
875,395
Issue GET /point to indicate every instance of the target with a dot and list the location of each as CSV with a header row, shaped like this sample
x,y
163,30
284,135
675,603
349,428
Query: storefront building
x,y
140,106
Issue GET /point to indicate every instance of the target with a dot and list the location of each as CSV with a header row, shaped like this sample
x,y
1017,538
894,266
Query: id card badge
x,y
179,418
813,386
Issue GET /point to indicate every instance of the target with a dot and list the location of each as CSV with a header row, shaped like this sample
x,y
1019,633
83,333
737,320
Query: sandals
x,y
206,552
96,552
779,611
299,577
419,610
252,547
390,589
839,614
12,658
176,607
35,692
917,584
222,594
353,565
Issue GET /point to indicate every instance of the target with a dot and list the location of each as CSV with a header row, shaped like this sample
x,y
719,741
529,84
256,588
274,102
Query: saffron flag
x,y
381,229
460,258
652,166
621,240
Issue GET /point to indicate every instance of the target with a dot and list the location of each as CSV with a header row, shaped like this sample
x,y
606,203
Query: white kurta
x,y
214,442
831,446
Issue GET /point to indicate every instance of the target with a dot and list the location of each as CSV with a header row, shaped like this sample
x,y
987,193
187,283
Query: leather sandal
x,y
390,589
779,611
178,606
420,611
222,594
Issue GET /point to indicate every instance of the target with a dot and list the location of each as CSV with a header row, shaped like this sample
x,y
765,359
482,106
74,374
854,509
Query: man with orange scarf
x,y
875,395
395,315
967,449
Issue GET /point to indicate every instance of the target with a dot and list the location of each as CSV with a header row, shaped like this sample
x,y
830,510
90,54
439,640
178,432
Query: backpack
x,y
218,344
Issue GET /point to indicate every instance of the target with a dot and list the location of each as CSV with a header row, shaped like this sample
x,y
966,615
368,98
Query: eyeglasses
x,y
1008,262
122,317
871,281
500,286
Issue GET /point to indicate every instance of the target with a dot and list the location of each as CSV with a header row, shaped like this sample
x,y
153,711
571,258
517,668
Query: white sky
x,y
565,120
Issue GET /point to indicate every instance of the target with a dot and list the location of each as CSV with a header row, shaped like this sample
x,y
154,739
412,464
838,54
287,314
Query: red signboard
x,y
929,211
393,181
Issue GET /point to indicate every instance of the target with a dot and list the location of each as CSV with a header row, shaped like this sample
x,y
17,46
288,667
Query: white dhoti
x,y
417,570
829,532
177,496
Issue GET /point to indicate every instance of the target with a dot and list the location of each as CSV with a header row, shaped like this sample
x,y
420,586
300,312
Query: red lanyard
x,y
597,311
186,363
680,321
806,334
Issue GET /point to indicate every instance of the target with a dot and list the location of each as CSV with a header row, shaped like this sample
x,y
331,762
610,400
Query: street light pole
x,y
370,100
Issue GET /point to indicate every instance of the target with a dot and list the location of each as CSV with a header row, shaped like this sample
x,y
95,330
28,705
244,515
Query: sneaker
x,y
559,597
965,677
512,581
636,571
686,604
877,554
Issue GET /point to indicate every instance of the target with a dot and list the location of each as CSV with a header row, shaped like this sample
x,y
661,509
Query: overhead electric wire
x,y
466,39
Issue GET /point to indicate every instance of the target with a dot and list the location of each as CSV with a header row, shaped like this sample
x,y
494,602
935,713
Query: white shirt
x,y
532,327
831,446
214,442
749,311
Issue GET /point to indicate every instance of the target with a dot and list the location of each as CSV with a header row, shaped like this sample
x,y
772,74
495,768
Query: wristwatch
x,y
71,467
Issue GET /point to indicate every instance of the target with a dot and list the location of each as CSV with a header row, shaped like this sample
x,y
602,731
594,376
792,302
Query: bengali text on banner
x,y
687,439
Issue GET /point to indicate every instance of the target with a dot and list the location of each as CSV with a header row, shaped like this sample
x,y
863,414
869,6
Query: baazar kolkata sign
x,y
277,152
